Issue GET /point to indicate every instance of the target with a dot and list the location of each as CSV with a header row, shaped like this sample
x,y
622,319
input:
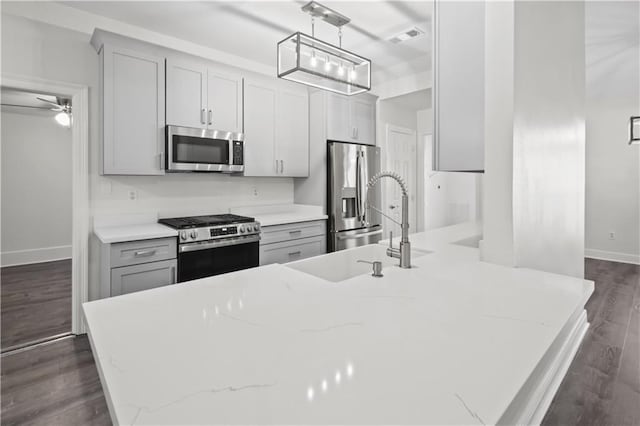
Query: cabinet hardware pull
x,y
174,275
161,156
202,120
299,231
144,253
210,117
295,253
281,166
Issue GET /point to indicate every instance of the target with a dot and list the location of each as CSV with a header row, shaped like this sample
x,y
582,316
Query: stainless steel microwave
x,y
203,150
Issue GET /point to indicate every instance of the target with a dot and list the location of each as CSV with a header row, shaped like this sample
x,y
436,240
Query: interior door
x,y
186,94
260,129
292,143
224,101
400,157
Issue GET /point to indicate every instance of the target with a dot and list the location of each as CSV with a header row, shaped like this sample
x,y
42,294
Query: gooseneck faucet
x,y
404,252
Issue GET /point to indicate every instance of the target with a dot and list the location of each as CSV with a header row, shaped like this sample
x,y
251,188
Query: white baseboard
x,y
612,256
25,257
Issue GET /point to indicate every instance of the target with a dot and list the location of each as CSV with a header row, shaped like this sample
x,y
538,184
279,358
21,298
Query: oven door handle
x,y
185,248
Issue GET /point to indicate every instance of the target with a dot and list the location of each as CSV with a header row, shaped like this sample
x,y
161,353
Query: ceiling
x,y
251,29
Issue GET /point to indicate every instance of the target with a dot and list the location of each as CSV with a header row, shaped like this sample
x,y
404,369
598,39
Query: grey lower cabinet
x,y
131,266
129,279
293,241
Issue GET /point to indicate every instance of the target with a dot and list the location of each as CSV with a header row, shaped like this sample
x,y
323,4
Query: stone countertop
x,y
451,341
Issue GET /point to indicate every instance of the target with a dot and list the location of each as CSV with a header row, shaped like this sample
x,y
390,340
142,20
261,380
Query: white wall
x,y
36,188
34,49
613,94
542,75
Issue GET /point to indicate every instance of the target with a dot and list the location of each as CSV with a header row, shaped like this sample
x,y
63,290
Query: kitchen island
x,y
451,341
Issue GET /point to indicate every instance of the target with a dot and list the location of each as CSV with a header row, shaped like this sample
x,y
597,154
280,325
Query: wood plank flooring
x,y
36,302
53,384
602,386
58,384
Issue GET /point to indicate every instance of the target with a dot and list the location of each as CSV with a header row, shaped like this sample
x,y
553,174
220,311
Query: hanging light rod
x,y
328,15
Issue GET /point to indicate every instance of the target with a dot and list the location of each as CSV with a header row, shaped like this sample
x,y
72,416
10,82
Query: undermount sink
x,y
342,265
473,242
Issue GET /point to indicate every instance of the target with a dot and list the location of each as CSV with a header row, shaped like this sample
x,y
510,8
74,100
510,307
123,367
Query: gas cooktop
x,y
204,221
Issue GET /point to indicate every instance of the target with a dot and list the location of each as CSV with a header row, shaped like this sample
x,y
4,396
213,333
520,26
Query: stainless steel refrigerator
x,y
351,222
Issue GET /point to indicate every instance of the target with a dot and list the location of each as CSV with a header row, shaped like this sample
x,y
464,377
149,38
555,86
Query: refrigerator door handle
x,y
357,236
363,189
358,187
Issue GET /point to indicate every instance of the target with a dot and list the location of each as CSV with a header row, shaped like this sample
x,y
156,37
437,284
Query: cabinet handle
x,y
281,166
174,275
202,120
299,231
210,117
295,253
356,132
161,157
144,253
276,166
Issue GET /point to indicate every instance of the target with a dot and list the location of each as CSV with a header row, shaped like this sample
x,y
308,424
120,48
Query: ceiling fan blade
x,y
28,106
47,101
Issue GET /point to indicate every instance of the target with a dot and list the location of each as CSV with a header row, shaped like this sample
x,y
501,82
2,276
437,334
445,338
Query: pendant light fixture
x,y
308,60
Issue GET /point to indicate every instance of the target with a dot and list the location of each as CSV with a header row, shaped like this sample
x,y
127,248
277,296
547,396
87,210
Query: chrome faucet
x,y
404,252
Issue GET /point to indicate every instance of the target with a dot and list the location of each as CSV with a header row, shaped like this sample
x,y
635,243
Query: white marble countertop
x,y
140,231
450,341
282,213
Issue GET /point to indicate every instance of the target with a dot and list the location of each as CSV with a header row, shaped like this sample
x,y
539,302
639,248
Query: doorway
x,y
44,261
36,216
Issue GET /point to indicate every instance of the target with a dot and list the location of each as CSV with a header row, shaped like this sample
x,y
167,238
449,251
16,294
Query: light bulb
x,y
340,70
63,119
354,74
314,61
327,65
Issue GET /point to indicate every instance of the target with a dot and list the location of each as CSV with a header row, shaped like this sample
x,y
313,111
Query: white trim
x,y
39,255
80,180
613,256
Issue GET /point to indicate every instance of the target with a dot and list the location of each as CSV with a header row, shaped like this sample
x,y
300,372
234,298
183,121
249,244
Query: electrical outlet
x,y
133,195
254,189
612,235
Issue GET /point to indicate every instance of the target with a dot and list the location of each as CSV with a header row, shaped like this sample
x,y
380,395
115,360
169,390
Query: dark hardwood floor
x,y
36,302
602,386
58,384
53,384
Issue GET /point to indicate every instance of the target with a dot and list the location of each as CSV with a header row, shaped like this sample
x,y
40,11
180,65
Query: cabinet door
x,y
259,128
186,94
363,118
338,118
129,279
224,100
133,112
459,86
292,133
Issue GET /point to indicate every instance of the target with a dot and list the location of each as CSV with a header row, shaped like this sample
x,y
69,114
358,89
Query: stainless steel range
x,y
216,244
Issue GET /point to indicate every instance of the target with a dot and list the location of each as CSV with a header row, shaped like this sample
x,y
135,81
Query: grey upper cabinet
x,y
202,97
351,119
458,86
276,123
133,108
186,94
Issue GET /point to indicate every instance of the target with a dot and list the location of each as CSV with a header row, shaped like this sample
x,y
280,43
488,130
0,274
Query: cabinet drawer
x,y
129,279
292,231
292,250
144,251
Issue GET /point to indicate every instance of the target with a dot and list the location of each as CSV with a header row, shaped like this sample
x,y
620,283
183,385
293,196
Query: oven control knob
x,y
183,235
256,228
194,234
241,229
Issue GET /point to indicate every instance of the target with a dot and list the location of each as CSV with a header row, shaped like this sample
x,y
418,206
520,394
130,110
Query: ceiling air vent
x,y
409,34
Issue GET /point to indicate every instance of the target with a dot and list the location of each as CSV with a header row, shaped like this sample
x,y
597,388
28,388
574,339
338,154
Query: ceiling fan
x,y
62,106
